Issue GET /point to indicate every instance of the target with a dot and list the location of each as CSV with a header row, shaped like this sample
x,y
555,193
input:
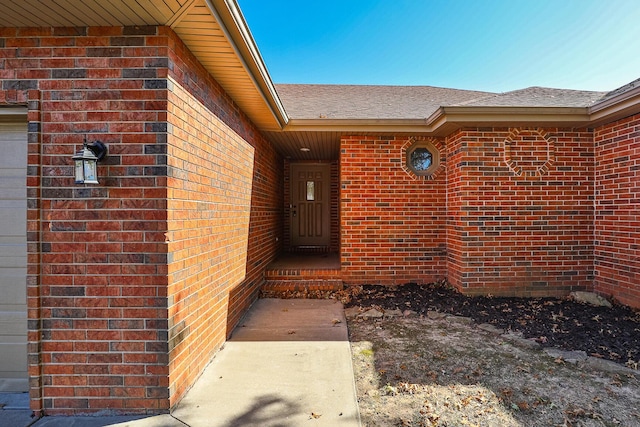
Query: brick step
x,y
305,285
302,275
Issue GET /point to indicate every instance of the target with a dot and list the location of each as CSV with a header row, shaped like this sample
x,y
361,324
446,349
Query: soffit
x,y
322,145
211,29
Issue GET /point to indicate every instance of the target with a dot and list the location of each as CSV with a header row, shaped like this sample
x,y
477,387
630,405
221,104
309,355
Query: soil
x,y
428,356
609,333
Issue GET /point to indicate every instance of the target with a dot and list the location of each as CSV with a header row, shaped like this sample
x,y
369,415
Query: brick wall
x,y
224,191
97,257
392,222
617,209
98,275
335,207
520,206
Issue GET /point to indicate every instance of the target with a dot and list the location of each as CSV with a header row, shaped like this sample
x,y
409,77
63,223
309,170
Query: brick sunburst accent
x,y
529,151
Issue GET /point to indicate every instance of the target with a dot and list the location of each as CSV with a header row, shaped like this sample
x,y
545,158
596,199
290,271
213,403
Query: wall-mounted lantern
x,y
86,162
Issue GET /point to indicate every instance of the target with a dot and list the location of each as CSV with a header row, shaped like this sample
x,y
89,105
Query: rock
x,y
460,320
393,313
435,315
351,312
590,298
487,327
517,339
371,314
607,366
409,313
572,357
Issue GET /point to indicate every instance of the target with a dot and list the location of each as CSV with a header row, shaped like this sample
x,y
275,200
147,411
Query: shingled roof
x,y
307,101
541,97
622,89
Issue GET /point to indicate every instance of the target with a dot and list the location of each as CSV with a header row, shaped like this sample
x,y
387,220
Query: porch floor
x,y
310,261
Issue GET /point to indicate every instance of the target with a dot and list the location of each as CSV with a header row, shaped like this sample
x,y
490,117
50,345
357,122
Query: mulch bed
x,y
609,333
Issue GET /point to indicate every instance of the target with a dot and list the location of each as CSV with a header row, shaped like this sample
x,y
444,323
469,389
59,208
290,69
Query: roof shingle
x,y
309,101
541,97
305,101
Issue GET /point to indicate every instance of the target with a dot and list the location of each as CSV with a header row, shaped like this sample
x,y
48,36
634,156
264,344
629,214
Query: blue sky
x,y
492,45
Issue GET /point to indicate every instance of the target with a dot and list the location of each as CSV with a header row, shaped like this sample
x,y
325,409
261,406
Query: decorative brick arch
x,y
529,151
440,158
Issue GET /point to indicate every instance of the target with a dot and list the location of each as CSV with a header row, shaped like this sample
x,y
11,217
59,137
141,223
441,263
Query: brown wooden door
x,y
309,213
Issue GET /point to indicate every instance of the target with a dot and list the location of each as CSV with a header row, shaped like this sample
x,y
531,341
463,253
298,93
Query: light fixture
x,y
86,162
305,149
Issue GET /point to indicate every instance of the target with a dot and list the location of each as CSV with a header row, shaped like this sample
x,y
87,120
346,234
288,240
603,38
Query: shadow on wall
x,y
265,230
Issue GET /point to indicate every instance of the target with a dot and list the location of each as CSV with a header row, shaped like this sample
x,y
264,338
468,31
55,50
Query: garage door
x,y
13,251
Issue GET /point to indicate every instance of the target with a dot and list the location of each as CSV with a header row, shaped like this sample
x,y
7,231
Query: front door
x,y
310,199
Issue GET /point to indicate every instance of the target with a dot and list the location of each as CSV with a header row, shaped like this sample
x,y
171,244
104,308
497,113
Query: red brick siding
x,y
392,224
456,190
521,221
209,204
224,192
97,257
265,228
617,210
98,265
335,207
266,213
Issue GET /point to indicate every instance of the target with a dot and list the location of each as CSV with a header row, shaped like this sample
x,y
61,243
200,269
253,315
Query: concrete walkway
x,y
288,364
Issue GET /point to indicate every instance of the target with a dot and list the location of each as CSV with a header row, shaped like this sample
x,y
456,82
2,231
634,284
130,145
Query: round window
x,y
423,158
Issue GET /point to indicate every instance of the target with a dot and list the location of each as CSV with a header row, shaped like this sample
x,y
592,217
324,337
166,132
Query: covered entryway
x,y
310,260
13,250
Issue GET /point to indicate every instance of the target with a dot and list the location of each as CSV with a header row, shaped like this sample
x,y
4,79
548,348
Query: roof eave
x,y
356,125
616,107
231,20
447,119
